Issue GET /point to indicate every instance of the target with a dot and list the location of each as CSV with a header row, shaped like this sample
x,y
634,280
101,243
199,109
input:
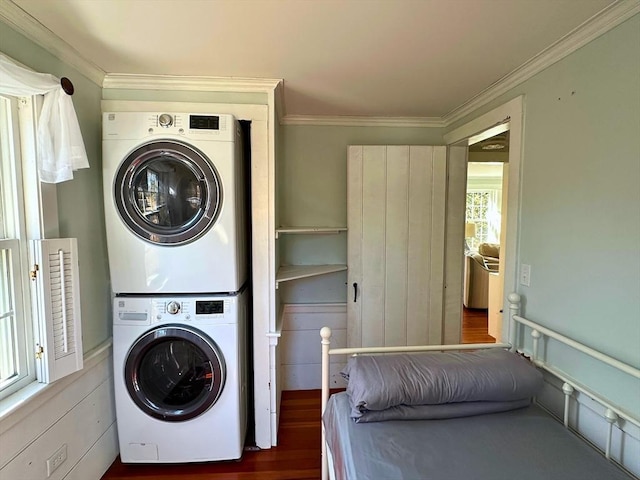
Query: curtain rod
x,y
66,85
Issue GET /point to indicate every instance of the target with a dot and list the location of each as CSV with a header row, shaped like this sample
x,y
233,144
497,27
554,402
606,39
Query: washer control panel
x,y
145,310
173,307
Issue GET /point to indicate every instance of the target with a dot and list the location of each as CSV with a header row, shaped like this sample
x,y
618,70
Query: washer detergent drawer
x,y
133,317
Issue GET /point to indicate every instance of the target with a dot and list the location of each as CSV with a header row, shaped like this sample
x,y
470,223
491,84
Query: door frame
x,y
485,126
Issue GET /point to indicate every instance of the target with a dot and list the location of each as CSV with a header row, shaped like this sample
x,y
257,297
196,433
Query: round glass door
x,y
174,373
168,193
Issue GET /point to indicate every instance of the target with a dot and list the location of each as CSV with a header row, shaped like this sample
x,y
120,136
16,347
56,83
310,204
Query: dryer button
x,y
165,120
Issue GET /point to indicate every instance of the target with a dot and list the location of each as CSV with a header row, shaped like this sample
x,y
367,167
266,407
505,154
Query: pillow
x,y
383,381
438,412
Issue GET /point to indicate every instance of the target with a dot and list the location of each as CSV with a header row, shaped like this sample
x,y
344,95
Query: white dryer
x,y
180,377
174,200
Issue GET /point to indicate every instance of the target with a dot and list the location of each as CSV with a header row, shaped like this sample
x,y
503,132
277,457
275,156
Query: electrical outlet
x,y
525,275
56,459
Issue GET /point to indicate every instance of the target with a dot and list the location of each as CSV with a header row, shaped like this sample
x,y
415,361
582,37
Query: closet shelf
x,y
294,272
309,230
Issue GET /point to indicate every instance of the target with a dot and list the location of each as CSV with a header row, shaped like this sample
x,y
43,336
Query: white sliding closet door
x,y
396,211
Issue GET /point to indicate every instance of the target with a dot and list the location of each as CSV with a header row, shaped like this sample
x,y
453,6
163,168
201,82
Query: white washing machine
x,y
174,199
180,377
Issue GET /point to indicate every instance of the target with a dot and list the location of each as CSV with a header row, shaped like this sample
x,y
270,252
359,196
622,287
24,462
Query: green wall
x,y
312,168
80,204
580,207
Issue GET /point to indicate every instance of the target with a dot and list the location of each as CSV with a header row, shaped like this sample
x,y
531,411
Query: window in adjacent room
x,y
483,203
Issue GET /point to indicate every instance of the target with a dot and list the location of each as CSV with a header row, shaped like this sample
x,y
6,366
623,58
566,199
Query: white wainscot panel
x,y
80,414
300,347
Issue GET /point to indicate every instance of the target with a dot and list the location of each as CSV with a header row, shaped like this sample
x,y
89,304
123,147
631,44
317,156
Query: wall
x,y
580,201
78,410
579,220
83,219
311,174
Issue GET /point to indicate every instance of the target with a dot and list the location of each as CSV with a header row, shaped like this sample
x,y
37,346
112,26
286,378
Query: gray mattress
x,y
524,444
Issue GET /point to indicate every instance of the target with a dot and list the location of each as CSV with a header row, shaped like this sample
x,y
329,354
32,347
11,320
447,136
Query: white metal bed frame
x,y
612,413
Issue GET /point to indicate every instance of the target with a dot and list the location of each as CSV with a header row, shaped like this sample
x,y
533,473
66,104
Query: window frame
x,y
13,191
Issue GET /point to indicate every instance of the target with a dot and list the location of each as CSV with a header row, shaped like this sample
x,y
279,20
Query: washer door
x,y
174,373
168,192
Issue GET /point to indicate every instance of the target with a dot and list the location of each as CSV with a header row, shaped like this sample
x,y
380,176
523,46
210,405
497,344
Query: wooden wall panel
x,y
419,254
99,457
374,201
437,244
454,252
300,344
396,246
79,415
396,252
354,238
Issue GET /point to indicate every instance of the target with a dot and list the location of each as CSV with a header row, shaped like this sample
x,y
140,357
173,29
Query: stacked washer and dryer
x,y
174,194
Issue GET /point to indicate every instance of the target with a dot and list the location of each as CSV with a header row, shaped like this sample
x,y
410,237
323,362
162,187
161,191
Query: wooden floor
x,y
297,456
475,326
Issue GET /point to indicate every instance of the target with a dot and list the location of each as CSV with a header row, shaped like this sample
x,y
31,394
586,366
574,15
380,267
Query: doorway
x,y
485,212
505,118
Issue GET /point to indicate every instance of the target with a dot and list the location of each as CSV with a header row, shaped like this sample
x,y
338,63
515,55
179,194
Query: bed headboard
x,y
612,413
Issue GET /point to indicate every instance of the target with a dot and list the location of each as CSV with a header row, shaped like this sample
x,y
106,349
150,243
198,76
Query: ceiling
x,y
379,58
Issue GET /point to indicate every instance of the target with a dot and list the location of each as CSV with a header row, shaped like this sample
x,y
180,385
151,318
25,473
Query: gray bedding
x,y
524,444
379,382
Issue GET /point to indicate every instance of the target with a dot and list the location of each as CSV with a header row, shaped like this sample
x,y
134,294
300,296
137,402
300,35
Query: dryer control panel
x,y
196,126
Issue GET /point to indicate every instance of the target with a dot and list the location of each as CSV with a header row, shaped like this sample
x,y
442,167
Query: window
x,y
40,329
16,332
483,210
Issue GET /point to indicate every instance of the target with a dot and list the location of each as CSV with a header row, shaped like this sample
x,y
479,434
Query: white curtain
x,y
60,145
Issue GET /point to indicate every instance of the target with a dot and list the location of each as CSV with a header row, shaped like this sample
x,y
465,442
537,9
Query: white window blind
x,y
56,294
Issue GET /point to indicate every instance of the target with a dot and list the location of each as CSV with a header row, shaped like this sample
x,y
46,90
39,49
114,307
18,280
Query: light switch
x,y
525,275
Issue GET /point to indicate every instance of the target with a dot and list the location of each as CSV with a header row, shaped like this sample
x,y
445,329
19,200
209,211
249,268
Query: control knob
x,y
165,120
173,307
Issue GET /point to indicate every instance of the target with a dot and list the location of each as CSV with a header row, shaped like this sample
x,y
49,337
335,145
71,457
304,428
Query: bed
x,y
456,412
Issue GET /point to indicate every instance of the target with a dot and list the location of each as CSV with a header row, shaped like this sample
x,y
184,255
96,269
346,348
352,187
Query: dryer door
x,y
174,373
168,192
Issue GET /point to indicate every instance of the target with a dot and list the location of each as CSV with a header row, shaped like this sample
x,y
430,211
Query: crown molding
x,y
31,28
191,83
600,23
362,121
